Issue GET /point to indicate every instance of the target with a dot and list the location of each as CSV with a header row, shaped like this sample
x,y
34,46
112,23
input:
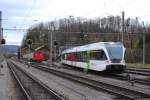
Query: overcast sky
x,y
21,14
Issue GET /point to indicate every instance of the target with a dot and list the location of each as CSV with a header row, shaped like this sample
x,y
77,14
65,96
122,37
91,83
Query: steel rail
x,y
26,94
55,94
137,72
98,84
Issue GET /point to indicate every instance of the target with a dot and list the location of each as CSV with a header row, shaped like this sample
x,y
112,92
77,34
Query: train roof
x,y
92,46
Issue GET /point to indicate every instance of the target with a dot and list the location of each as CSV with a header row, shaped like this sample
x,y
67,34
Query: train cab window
x,y
97,55
103,56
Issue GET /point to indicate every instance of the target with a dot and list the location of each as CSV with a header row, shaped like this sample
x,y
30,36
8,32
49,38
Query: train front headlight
x,y
108,61
122,61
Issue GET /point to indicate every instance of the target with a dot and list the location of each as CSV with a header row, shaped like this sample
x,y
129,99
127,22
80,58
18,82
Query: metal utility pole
x,y
55,55
143,45
50,38
54,36
29,42
143,48
1,54
1,32
122,26
51,48
49,44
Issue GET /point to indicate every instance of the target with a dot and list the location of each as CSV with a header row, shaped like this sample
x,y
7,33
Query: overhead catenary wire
x,y
28,12
104,4
107,6
14,29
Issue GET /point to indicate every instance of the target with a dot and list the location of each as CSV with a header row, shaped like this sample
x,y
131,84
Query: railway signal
x,y
1,66
29,41
3,41
55,42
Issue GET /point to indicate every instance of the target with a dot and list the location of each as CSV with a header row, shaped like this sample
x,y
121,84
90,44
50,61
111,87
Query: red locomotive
x,y
37,55
41,54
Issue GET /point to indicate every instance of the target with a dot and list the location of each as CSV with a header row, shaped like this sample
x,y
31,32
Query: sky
x,y
22,14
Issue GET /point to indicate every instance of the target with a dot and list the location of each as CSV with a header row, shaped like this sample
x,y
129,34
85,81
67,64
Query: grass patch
x,y
135,65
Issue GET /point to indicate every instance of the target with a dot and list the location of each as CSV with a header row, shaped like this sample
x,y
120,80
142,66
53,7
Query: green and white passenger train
x,y
101,56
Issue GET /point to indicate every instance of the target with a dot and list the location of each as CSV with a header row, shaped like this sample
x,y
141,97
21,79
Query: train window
x,y
84,56
97,55
81,56
103,56
93,55
78,54
115,51
71,56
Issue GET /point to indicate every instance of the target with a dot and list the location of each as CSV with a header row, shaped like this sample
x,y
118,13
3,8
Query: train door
x,y
97,60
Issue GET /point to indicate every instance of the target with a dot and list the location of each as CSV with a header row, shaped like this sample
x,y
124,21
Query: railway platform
x,y
8,89
3,83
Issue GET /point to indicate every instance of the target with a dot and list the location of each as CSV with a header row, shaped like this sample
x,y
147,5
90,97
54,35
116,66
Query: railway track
x,y
121,77
135,80
120,91
138,71
144,81
31,87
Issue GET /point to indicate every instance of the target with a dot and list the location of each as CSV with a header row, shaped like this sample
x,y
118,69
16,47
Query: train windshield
x,y
115,52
